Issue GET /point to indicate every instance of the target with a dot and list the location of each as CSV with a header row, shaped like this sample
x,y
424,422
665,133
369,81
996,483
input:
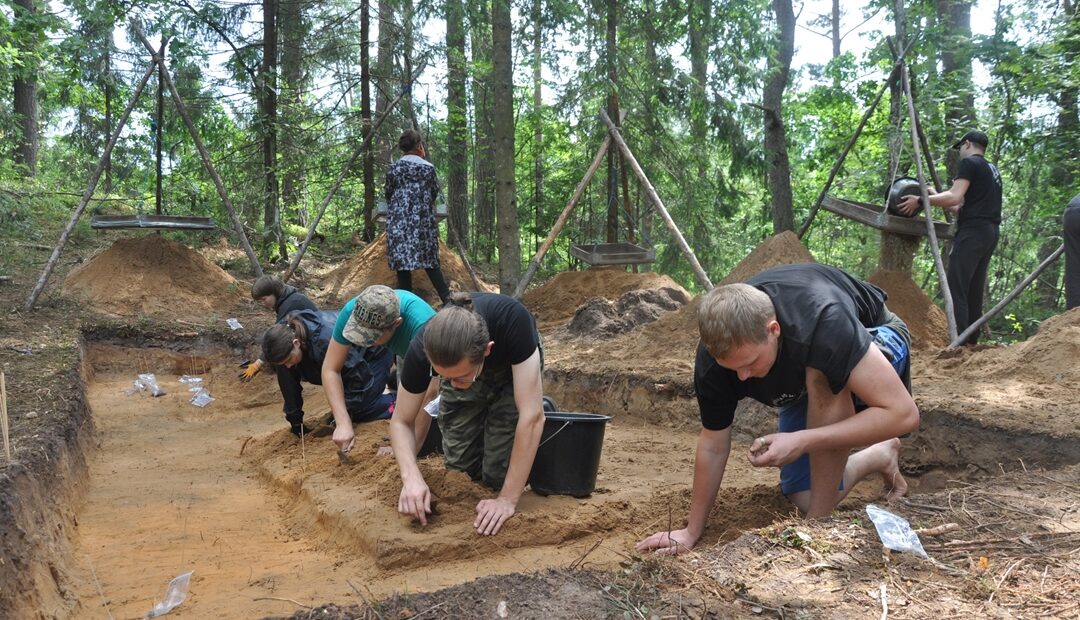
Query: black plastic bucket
x,y
569,454
433,441
904,186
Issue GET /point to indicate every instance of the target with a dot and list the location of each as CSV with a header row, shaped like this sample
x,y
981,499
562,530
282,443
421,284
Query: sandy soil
x,y
170,492
271,526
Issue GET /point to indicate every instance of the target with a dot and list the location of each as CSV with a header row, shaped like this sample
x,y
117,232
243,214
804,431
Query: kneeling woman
x,y
486,350
297,348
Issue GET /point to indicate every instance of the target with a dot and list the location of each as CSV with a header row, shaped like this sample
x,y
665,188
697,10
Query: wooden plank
x,y
873,216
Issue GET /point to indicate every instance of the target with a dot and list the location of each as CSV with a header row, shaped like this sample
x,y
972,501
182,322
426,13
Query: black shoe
x,y
298,429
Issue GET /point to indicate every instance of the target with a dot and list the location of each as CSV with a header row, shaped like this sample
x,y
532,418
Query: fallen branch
x,y
938,530
286,600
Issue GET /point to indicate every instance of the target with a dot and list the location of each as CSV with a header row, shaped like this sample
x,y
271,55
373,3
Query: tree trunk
x,y
108,88
611,227
268,127
457,132
293,83
365,121
384,78
502,79
778,166
25,103
538,117
897,252
835,22
483,150
954,17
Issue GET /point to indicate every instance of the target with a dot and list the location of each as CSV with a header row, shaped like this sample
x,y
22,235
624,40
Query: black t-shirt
x,y
982,200
823,314
510,326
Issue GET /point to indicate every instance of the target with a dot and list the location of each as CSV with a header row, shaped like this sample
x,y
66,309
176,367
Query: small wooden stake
x,y
4,416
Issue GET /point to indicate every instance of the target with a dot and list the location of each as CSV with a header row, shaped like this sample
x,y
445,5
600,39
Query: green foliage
x,y
698,139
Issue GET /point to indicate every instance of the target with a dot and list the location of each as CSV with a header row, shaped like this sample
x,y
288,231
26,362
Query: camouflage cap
x,y
377,308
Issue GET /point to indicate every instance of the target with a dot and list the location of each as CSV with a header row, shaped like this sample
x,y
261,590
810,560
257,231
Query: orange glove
x,y
250,370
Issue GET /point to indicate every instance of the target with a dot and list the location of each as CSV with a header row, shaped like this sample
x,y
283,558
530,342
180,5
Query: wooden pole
x,y
88,193
337,185
1008,298
4,416
916,152
851,142
650,191
461,252
203,153
534,264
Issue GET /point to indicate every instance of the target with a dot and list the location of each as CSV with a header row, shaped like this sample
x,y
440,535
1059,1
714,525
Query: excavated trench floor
x,y
268,523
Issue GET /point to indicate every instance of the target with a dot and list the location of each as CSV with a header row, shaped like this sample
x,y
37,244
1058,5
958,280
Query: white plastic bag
x,y
194,383
147,381
894,531
177,592
432,408
234,324
202,398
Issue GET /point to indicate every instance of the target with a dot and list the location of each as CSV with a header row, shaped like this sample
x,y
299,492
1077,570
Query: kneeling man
x,y
821,346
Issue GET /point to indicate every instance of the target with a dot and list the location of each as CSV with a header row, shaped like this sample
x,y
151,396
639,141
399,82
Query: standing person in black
x,y
975,195
1071,225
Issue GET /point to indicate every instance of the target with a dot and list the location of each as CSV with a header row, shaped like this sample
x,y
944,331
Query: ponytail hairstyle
x,y
457,332
268,285
277,341
409,140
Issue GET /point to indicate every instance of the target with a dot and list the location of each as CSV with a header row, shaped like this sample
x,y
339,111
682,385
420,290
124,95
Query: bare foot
x,y
895,485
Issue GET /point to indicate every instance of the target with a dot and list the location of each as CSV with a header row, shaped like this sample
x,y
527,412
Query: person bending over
x,y
275,295
486,350
820,345
378,317
297,349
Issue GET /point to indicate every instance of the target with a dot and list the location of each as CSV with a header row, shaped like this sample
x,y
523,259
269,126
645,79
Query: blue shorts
x,y
795,476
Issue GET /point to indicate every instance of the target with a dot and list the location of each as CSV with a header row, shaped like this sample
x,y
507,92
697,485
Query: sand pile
x,y
664,349
929,328
152,275
1047,358
602,317
370,267
555,301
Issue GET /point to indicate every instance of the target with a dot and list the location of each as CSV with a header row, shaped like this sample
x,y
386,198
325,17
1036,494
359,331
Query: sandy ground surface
x,y
271,526
171,492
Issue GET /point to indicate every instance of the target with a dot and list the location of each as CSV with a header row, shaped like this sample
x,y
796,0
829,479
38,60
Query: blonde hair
x,y
733,315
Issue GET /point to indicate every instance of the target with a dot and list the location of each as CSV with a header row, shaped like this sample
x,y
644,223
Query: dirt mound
x,y
783,249
152,275
602,317
1047,358
556,301
664,349
929,328
370,267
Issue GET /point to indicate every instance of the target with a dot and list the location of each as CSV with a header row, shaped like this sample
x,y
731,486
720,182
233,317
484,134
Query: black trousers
x,y
969,261
404,282
1071,226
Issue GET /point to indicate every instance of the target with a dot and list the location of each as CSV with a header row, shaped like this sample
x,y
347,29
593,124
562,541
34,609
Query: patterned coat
x,y
412,233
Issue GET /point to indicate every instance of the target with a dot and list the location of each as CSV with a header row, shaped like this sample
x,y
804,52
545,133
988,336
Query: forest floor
x,y
114,492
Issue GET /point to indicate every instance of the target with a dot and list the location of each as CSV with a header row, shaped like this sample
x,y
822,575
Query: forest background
x,y
737,141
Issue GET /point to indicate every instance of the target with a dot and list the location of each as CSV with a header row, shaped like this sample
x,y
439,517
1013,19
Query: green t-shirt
x,y
414,313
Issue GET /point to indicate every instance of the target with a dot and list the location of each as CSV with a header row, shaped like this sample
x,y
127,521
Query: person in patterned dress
x,y
412,233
